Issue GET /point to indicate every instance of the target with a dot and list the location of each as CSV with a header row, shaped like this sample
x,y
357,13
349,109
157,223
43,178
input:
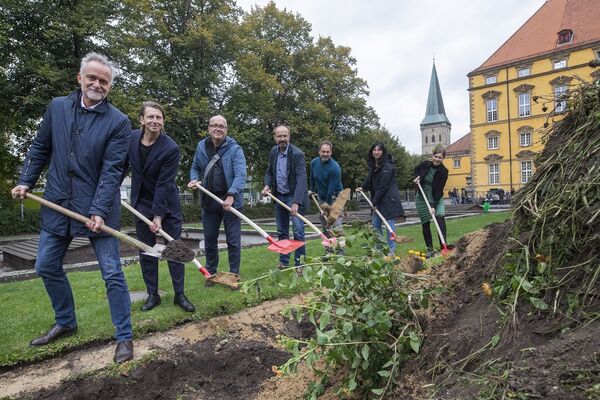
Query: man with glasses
x,y
219,164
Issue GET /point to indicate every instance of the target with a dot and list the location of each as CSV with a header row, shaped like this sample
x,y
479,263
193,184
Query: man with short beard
x,y
286,179
83,140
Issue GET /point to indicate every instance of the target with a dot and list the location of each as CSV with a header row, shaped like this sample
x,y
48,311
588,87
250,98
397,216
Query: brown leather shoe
x,y
123,352
54,333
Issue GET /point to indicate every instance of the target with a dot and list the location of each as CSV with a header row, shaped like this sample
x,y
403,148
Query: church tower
x,y
435,127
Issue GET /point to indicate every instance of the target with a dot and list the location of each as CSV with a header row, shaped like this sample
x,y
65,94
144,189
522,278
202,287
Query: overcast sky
x,y
394,42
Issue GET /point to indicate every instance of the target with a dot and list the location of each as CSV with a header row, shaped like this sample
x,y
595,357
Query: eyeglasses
x,y
215,126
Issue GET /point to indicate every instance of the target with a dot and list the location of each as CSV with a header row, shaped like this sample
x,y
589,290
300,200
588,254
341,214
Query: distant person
x,y
432,175
154,160
220,164
83,139
326,183
286,179
385,196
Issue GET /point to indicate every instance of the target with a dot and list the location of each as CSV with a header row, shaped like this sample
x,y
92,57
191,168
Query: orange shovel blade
x,y
285,246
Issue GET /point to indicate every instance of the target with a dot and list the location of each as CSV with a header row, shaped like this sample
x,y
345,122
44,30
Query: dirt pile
x,y
469,352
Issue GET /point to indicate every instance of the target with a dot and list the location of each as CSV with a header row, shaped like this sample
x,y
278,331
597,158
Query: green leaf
x,y
322,338
340,311
347,328
415,345
365,352
352,384
526,285
323,321
368,308
378,392
538,303
495,340
384,373
413,336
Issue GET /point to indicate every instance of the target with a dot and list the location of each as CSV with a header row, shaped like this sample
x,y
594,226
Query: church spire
x,y
435,112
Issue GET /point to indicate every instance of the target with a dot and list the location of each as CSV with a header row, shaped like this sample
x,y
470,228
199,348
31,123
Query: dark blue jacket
x,y
157,174
296,172
234,166
84,151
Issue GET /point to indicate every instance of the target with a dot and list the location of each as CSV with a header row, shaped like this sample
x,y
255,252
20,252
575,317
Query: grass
x,y
25,310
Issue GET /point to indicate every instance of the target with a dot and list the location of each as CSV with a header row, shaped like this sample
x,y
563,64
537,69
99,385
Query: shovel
x,y
312,196
445,249
329,242
158,251
387,226
282,246
219,277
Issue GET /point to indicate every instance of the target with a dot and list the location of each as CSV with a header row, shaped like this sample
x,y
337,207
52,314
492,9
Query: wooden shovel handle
x,y
388,227
146,220
104,228
236,212
306,221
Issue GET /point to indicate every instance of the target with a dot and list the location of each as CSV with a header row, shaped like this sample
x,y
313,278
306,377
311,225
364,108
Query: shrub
x,y
12,224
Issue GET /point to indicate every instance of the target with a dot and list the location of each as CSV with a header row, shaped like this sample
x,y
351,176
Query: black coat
x,y
157,174
296,170
381,182
439,179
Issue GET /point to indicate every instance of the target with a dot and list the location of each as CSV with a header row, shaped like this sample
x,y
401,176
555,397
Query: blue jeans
x,y
282,217
212,216
378,225
49,266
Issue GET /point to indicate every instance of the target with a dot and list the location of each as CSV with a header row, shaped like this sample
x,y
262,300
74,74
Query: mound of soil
x,y
532,357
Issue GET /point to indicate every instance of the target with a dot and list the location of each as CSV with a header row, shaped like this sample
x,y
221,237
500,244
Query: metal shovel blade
x,y
159,249
285,246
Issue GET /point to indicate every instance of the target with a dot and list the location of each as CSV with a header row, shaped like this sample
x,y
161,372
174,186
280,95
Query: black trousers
x,y
170,225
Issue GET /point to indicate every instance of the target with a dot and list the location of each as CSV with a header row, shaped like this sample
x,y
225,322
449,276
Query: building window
x,y
524,104
492,110
490,79
560,98
521,72
525,139
432,138
565,36
457,163
494,175
597,53
440,137
426,139
492,142
558,64
526,171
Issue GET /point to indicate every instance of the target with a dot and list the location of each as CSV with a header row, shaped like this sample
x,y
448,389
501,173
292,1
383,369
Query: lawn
x,y
25,310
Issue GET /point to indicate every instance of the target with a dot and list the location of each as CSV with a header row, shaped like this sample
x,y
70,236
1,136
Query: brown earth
x,y
532,358
231,357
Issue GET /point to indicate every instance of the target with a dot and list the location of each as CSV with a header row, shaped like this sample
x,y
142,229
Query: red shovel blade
x,y
392,236
284,246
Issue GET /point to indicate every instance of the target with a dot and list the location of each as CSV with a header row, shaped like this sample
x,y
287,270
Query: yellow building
x,y
458,162
522,85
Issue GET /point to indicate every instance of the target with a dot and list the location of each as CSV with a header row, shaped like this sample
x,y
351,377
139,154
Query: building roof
x,y
538,35
435,112
460,147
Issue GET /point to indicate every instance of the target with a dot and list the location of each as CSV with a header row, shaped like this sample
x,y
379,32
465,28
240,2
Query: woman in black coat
x,y
385,196
432,175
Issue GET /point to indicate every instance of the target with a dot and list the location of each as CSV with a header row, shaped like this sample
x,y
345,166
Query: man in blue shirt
x,y
286,179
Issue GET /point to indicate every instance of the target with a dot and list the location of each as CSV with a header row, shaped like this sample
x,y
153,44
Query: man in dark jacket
x,y
286,179
220,164
154,160
83,139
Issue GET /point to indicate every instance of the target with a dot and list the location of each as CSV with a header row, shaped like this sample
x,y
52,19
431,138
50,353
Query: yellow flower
x,y
274,369
487,289
411,252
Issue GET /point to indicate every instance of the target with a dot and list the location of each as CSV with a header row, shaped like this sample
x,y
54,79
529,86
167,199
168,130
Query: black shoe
x,y
54,333
184,303
152,301
430,252
123,352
